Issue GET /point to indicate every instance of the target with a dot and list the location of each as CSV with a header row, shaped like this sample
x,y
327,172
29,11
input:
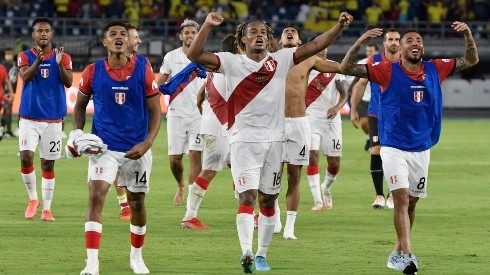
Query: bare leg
x,y
177,169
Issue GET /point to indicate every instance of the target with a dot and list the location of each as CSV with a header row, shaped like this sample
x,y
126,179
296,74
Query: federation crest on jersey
x,y
270,66
98,170
418,96
44,73
120,98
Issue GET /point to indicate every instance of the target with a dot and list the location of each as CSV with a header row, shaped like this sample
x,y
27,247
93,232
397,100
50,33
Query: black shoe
x,y
366,146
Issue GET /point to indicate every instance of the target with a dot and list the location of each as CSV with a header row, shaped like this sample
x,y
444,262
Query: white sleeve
x,y
286,55
165,68
224,61
340,77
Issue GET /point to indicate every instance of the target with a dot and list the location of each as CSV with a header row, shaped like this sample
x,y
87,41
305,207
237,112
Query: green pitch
x,y
450,236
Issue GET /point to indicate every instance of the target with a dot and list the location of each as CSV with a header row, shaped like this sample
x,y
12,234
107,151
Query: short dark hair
x,y
389,30
228,44
114,23
8,49
294,27
408,31
375,46
41,20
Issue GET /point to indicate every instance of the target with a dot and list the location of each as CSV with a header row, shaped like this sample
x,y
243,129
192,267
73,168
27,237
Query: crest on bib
x,y
418,96
120,98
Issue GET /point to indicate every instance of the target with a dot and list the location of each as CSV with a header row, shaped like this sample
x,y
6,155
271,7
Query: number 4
x,y
141,179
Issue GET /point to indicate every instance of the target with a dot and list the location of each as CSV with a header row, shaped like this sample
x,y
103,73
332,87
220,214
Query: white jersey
x,y
183,102
214,108
322,95
256,104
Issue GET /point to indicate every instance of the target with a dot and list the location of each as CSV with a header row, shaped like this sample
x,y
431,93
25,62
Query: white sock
x,y
265,232
92,255
187,201
290,220
314,181
30,183
277,211
194,199
47,192
245,228
329,179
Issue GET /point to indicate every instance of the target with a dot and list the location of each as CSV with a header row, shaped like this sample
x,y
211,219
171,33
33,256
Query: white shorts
x,y
133,174
183,134
328,135
257,165
406,170
298,139
46,134
216,152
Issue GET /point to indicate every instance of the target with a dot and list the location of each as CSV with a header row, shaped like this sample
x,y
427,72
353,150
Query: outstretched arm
x,y
470,57
349,64
196,51
326,66
323,40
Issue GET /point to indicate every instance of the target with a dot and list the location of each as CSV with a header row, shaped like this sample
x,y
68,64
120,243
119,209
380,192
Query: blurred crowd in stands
x,y
315,15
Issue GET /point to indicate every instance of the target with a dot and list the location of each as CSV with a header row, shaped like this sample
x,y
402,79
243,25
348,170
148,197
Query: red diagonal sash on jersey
x,y
249,88
316,87
182,86
216,101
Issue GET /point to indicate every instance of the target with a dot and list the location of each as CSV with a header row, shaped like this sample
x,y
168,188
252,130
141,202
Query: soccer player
x,y
5,96
183,117
256,106
133,44
45,71
409,123
12,72
296,152
391,44
361,106
127,119
212,101
323,108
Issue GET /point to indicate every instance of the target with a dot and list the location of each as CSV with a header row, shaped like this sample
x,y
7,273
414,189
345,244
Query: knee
x,y
175,162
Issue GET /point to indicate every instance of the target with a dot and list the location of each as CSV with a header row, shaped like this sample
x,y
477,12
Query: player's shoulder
x,y
174,52
89,68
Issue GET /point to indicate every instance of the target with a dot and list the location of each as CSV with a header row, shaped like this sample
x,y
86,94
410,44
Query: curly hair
x,y
240,29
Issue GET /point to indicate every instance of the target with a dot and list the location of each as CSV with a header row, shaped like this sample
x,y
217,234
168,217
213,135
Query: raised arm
x,y
349,64
470,57
356,96
66,75
196,51
323,40
28,72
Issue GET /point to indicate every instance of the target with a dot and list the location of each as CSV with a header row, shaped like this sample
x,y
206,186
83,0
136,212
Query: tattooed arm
x,y
470,57
349,64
